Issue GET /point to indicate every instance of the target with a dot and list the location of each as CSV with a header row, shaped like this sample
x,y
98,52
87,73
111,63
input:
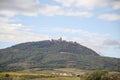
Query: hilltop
x,y
54,54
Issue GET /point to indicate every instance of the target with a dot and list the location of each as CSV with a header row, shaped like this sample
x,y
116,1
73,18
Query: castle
x,y
59,40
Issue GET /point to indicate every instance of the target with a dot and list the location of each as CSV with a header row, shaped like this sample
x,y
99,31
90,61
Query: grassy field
x,y
59,74
33,76
50,78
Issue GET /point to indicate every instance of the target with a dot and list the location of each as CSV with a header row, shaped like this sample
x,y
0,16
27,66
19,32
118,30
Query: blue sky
x,y
92,23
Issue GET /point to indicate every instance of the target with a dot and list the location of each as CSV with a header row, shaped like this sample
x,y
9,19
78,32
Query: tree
x,y
95,75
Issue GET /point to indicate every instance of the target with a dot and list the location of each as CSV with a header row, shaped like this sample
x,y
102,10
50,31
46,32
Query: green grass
x,y
58,78
48,75
34,76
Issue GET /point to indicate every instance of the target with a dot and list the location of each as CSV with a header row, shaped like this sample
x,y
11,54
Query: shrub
x,y
112,76
5,77
95,75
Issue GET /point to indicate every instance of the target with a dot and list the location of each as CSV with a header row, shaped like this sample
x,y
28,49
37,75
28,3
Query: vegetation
x,y
100,75
112,76
5,77
33,76
89,75
54,54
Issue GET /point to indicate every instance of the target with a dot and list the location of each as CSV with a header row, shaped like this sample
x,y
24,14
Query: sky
x,y
92,23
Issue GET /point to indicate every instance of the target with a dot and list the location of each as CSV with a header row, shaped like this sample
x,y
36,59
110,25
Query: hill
x,y
54,54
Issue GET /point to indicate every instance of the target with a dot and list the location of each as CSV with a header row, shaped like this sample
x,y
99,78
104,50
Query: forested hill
x,y
55,46
53,54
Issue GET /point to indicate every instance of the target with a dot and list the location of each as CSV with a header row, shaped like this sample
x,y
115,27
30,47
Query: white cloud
x,y
77,13
91,4
88,4
110,17
111,42
75,31
66,3
51,10
4,19
112,47
18,33
15,7
116,5
34,7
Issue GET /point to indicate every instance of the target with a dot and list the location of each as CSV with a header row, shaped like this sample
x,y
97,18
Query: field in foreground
x,y
61,74
34,76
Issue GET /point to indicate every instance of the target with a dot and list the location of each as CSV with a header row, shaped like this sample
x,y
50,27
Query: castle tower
x,y
60,39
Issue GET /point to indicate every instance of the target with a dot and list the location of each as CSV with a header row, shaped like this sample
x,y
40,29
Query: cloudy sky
x,y
92,23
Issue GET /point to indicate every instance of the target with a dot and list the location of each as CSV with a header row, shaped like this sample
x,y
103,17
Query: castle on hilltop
x,y
61,40
58,40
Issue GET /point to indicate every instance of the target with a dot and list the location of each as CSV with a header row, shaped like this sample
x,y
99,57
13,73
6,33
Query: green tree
x,y
111,76
95,75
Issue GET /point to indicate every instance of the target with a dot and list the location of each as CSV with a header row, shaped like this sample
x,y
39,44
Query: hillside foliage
x,y
101,75
54,54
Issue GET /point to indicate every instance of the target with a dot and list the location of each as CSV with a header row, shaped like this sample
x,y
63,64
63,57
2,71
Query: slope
x,y
53,54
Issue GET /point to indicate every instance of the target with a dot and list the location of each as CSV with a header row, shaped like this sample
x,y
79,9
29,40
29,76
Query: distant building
x,y
60,40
